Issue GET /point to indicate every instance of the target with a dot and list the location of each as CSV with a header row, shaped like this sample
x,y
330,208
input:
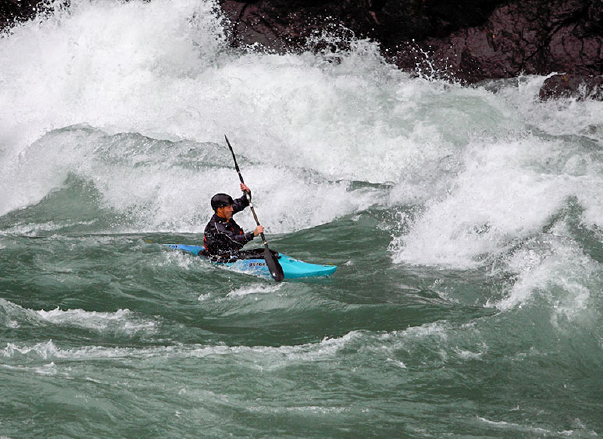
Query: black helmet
x,y
220,200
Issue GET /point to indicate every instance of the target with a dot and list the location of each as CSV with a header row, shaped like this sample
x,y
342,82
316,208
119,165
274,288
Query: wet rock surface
x,y
12,11
467,41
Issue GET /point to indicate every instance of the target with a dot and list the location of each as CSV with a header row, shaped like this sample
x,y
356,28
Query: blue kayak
x,y
292,268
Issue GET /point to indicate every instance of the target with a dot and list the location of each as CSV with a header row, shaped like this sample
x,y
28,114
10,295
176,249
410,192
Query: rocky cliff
x,y
465,40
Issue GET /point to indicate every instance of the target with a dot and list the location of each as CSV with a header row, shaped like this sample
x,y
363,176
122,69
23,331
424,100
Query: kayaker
x,y
223,238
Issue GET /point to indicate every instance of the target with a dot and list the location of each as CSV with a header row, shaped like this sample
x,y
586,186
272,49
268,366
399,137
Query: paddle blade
x,y
273,265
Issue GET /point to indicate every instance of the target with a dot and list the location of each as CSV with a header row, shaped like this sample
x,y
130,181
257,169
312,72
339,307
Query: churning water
x,y
466,223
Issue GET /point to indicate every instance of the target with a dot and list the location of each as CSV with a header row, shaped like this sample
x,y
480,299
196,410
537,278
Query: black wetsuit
x,y
223,239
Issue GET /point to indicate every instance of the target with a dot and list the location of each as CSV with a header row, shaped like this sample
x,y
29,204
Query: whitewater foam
x,y
254,289
300,125
505,192
358,119
115,136
122,320
556,271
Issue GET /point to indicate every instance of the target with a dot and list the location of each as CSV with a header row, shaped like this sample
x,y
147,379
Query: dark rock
x,y
290,24
572,86
467,40
12,11
529,37
284,25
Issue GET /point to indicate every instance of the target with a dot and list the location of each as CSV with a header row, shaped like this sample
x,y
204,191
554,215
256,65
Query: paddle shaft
x,y
246,193
272,263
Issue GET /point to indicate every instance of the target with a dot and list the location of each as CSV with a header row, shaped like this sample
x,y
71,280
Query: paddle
x,y
271,261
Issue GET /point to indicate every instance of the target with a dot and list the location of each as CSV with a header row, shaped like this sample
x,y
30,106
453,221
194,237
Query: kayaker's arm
x,y
241,203
238,240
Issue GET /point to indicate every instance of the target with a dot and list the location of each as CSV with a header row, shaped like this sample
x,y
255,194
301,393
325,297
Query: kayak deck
x,y
292,268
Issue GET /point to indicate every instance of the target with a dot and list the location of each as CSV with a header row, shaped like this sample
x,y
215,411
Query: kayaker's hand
x,y
258,230
244,188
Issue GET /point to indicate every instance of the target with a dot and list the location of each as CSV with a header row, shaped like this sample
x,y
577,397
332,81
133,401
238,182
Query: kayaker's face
x,y
225,212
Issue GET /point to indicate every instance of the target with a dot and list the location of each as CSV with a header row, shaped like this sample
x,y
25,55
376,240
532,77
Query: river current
x,y
466,224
